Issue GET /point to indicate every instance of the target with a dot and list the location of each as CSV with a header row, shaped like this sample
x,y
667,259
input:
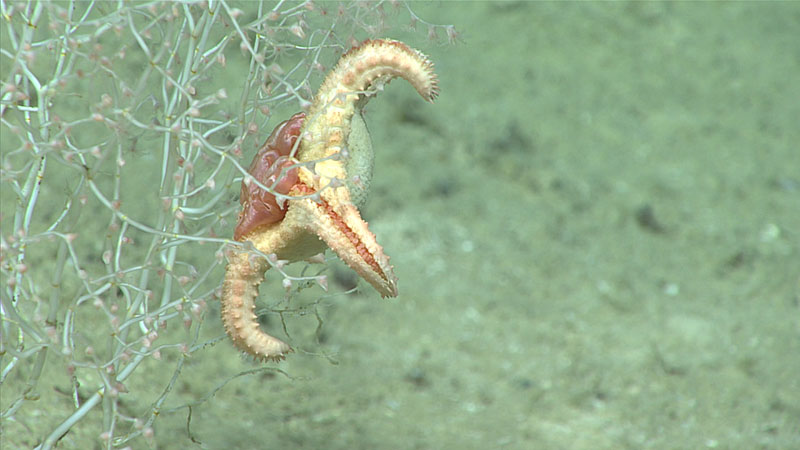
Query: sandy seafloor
x,y
597,234
596,229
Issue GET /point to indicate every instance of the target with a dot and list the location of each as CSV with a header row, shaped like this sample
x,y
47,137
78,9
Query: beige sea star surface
x,y
323,204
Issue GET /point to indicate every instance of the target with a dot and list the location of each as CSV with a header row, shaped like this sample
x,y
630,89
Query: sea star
x,y
323,200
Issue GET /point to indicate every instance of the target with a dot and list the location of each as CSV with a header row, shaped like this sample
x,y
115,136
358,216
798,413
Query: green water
x,y
596,229
597,234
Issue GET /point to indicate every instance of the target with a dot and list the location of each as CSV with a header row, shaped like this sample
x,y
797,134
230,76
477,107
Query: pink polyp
x,y
260,207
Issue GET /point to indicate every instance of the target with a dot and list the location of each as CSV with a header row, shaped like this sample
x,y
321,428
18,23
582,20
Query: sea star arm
x,y
239,291
343,93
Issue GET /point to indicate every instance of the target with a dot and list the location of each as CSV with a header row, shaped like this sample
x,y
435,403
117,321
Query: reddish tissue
x,y
258,206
